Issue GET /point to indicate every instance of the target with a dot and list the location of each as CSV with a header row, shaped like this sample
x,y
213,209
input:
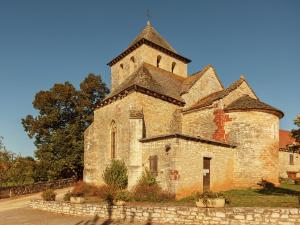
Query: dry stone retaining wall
x,y
6,192
177,215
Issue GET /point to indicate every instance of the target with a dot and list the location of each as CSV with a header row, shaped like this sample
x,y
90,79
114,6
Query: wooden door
x,y
206,174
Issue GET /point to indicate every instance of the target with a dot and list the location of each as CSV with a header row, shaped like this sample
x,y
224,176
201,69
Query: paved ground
x,y
28,216
23,201
17,212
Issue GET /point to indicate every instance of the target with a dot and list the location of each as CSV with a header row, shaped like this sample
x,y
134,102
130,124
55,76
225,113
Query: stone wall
x,y
125,67
207,84
180,164
177,215
6,192
189,163
97,152
285,166
199,123
158,120
256,135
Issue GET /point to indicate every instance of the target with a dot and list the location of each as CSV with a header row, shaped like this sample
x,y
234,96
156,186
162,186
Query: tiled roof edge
x,y
137,88
151,44
186,137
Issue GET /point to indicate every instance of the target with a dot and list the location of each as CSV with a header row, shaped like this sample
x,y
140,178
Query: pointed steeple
x,y
149,33
149,36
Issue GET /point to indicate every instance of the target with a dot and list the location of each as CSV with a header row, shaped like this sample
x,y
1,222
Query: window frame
x,y
153,165
291,159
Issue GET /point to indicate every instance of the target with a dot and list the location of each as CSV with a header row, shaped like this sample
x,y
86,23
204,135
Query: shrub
x,y
207,194
166,196
82,189
148,190
147,179
67,196
115,174
78,189
107,193
147,193
49,195
123,196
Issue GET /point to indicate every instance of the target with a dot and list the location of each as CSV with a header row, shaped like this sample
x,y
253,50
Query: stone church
x,y
189,131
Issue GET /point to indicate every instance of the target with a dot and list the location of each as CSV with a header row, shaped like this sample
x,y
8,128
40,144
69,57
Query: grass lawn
x,y
284,196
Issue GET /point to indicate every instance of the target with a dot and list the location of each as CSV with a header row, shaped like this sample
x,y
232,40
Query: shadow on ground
x,y
269,188
278,191
89,222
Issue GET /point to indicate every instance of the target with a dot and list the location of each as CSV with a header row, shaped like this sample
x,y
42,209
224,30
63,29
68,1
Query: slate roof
x,y
247,103
153,79
165,85
151,37
208,100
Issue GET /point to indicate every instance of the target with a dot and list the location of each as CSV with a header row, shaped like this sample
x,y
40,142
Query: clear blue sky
x,y
44,42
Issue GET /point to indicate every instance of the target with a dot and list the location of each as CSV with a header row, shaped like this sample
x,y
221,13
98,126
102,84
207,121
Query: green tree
x,y
296,134
63,115
20,171
15,169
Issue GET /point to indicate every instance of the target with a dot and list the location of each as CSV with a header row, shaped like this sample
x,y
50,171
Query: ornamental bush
x,y
49,195
107,193
148,190
82,189
115,174
123,195
67,196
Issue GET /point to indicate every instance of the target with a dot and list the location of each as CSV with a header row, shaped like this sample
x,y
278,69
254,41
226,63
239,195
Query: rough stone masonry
x,y
189,130
177,215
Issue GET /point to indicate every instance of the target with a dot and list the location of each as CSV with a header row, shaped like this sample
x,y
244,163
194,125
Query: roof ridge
x,y
195,77
246,102
216,95
151,34
202,70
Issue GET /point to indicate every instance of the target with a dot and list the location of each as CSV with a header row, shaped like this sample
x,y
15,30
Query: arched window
x,y
113,137
158,60
173,66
